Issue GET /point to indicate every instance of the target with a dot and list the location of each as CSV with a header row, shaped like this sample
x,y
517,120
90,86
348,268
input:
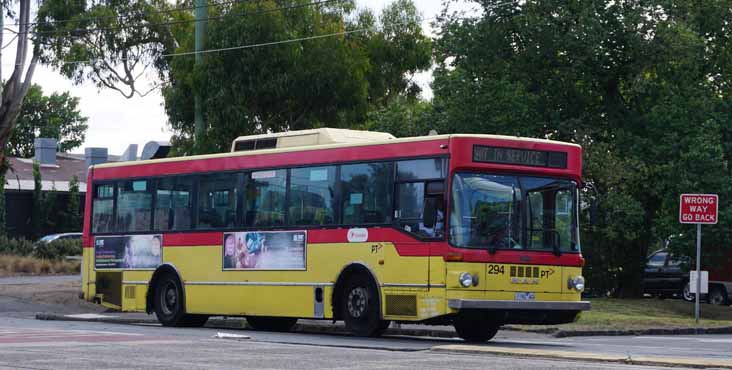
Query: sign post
x,y
698,209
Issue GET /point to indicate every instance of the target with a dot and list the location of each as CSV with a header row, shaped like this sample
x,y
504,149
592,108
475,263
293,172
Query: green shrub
x,y
58,249
18,247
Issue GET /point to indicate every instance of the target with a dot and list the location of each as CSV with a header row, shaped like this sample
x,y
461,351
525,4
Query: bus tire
x,y
475,328
717,295
279,324
169,304
360,307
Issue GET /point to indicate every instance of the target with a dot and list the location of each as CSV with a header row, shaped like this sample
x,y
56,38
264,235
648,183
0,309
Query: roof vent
x,y
155,150
94,156
45,150
301,138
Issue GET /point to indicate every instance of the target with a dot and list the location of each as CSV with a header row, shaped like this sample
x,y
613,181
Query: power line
x,y
172,23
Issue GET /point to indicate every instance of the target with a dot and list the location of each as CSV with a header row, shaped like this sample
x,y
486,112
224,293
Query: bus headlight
x,y
577,283
466,279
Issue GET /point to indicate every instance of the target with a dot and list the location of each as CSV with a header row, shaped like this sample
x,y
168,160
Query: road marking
x,y
12,336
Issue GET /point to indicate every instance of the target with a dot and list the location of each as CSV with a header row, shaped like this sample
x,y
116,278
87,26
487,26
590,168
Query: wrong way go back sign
x,y
698,208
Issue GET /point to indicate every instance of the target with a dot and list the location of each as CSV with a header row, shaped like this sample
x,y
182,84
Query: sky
x,y
116,122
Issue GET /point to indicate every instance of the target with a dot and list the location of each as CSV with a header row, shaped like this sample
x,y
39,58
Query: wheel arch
x,y
354,268
166,268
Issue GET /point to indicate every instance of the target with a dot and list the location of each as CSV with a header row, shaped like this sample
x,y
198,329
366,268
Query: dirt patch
x,y
57,296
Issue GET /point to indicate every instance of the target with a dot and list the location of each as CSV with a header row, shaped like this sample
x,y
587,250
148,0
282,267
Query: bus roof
x,y
304,148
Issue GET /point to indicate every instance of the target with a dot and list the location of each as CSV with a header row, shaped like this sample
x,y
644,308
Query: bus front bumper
x,y
479,304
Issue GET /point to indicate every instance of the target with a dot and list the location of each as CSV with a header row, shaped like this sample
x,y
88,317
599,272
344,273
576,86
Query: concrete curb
x,y
586,356
559,333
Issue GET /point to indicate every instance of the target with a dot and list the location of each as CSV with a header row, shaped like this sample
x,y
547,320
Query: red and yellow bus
x,y
476,231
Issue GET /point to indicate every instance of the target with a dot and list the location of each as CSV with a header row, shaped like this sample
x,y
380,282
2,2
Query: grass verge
x,y
11,265
647,313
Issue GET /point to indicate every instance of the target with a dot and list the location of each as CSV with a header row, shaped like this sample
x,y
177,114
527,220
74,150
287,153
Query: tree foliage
x,y
56,116
73,221
402,117
110,43
330,79
644,86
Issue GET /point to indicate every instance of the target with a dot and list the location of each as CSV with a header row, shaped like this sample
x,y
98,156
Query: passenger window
x,y
217,200
311,196
103,208
421,169
173,203
163,203
134,206
265,198
367,193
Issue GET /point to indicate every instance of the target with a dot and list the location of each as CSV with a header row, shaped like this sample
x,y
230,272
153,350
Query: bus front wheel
x,y
169,304
475,328
360,307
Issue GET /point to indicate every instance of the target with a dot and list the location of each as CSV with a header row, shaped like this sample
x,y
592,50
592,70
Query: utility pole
x,y
201,13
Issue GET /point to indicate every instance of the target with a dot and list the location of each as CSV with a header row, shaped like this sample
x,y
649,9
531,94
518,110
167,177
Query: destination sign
x,y
525,157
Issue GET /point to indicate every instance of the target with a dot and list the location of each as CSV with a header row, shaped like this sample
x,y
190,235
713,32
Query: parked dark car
x,y
667,275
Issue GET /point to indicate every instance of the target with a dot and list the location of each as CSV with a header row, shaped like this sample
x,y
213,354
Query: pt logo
x,y
545,274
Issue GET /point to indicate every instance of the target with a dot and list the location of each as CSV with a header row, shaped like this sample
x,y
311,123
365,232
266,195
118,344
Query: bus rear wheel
x,y
360,307
281,324
169,304
474,327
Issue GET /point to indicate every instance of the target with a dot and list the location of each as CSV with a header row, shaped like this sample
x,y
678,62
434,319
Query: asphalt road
x,y
29,344
26,343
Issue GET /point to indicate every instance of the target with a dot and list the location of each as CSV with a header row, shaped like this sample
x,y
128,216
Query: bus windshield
x,y
513,212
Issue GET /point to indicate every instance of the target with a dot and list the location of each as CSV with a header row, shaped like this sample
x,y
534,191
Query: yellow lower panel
x,y
290,301
133,297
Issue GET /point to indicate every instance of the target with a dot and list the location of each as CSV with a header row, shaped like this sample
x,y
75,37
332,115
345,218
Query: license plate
x,y
525,296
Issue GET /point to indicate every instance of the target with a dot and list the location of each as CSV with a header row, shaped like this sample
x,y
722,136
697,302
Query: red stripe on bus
x,y
405,246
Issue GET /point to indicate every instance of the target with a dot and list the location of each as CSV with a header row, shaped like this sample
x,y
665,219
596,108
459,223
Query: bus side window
x,y
103,208
162,211
182,203
217,201
265,198
134,206
366,193
312,191
173,197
